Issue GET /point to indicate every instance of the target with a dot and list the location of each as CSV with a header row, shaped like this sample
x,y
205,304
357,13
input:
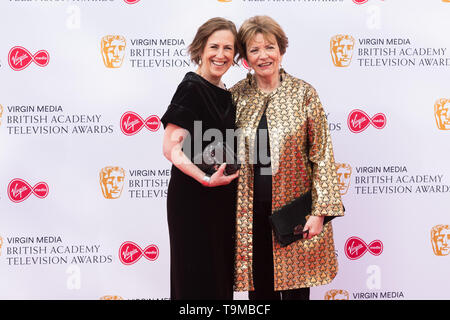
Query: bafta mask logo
x,y
440,239
112,180
111,297
337,295
344,172
446,1
1,114
341,47
442,113
113,51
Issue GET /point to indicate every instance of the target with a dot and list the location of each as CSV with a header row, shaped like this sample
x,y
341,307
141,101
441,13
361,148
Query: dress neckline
x,y
206,82
254,85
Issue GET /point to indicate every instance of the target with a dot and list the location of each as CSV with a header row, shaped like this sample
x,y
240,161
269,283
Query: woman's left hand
x,y
314,225
220,179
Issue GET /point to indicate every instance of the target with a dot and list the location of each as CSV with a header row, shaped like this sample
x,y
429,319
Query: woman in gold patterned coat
x,y
281,117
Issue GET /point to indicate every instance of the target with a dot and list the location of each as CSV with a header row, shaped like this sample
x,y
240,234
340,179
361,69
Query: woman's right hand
x,y
219,179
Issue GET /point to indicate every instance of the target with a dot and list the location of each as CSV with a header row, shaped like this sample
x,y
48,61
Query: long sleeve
x,y
325,185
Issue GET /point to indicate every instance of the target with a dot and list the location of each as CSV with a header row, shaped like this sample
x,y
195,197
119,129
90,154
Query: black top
x,y
196,99
262,166
197,103
262,144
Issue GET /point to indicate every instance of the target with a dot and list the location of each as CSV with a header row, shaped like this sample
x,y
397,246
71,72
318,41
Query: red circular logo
x,y
360,1
355,248
130,252
245,64
19,190
19,58
358,121
132,1
131,123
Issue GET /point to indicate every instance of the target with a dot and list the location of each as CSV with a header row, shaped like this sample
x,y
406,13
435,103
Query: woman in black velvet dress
x,y
201,205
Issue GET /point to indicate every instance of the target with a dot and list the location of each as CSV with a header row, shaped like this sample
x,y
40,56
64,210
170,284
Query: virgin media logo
x,y
131,1
358,121
131,123
130,253
245,64
361,1
19,190
19,58
355,248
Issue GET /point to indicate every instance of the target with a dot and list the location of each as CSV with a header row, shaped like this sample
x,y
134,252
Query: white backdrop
x,y
61,125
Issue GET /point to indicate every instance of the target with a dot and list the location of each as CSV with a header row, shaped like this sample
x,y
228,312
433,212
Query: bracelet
x,y
206,180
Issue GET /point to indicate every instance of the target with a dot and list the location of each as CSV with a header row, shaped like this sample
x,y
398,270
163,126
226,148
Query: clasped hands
x,y
220,179
314,225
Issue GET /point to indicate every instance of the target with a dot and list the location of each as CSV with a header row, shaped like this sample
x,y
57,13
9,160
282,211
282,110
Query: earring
x,y
249,76
281,73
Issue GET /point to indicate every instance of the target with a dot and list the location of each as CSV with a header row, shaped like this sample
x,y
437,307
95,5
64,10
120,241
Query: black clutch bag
x,y
289,221
214,155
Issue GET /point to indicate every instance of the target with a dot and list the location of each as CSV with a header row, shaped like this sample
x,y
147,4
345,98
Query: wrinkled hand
x,y
219,179
314,225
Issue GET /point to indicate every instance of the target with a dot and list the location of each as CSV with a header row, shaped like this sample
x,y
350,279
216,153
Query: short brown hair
x,y
195,49
261,24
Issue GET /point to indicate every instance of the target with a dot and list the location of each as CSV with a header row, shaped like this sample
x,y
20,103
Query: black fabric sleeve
x,y
185,107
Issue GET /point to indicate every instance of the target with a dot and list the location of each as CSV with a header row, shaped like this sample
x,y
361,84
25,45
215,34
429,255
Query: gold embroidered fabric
x,y
302,160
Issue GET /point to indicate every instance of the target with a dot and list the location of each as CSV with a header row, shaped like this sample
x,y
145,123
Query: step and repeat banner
x,y
83,181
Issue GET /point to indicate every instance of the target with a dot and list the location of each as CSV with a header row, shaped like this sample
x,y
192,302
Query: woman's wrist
x,y
206,180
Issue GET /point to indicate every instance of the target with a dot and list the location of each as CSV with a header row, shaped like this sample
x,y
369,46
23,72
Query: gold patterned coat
x,y
302,159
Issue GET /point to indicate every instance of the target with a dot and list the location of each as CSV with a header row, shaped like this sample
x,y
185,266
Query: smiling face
x,y
217,56
263,56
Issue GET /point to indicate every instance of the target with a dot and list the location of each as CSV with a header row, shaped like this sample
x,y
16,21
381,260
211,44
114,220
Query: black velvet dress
x,y
201,219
